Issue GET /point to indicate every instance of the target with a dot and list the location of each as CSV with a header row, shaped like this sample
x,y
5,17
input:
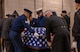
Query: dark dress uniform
x,y
65,23
41,21
1,23
18,26
5,34
76,28
56,26
67,18
34,22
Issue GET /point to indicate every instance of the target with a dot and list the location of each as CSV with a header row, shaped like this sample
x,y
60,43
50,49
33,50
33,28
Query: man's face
x,y
48,14
27,14
63,14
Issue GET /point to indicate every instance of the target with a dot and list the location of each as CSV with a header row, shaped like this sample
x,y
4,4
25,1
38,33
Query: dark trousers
x,y
9,46
78,45
16,41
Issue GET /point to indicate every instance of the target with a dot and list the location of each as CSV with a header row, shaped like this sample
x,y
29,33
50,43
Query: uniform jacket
x,y
76,26
41,21
51,24
6,27
20,23
60,42
1,23
64,21
67,18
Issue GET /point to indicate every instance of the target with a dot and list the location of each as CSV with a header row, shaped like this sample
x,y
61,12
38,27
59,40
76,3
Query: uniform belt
x,y
59,28
63,26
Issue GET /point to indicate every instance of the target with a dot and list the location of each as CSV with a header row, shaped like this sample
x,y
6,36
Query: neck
x,y
26,16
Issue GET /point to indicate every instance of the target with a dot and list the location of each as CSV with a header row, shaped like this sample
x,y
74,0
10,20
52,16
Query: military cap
x,y
15,13
77,1
64,11
54,13
39,10
8,14
27,10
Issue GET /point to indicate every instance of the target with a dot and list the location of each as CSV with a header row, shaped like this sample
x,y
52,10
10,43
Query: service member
x,y
18,26
76,26
56,26
67,18
5,33
41,18
33,22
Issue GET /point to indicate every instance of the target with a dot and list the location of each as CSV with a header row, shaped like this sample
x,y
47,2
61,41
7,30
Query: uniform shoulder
x,y
21,17
54,16
11,18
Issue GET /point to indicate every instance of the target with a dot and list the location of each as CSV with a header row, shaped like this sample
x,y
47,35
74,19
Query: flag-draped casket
x,y
36,42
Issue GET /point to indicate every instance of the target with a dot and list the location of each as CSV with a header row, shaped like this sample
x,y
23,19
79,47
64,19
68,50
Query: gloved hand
x,y
49,44
36,34
22,34
74,44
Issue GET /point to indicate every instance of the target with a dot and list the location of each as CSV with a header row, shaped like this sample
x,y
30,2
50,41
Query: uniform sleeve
x,y
48,29
1,24
26,25
76,26
67,18
6,27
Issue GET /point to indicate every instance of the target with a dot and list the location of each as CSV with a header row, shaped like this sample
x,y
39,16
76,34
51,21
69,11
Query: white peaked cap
x,y
38,9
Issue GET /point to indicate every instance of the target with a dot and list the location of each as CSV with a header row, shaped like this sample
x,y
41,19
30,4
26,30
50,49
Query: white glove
x,y
22,34
41,35
49,44
74,44
36,34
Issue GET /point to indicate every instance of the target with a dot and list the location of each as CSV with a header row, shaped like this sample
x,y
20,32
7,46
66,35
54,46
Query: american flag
x,y
36,42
